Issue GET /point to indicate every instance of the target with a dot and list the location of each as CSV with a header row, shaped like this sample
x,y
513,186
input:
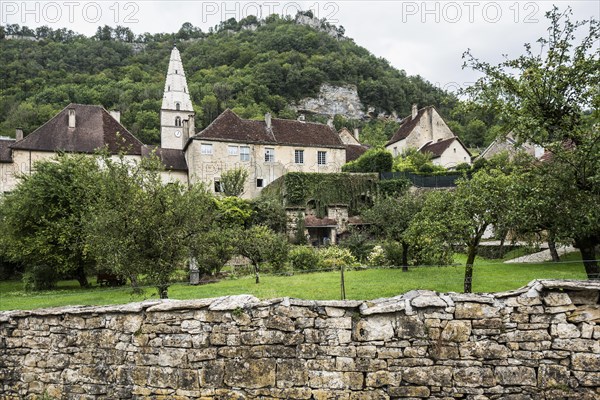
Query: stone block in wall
x,y
590,379
585,313
410,327
291,372
516,376
382,378
409,391
475,311
554,299
430,376
456,331
474,377
586,362
250,373
579,297
377,327
551,375
335,380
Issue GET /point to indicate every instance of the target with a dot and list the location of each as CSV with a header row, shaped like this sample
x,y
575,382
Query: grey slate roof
x,y
5,150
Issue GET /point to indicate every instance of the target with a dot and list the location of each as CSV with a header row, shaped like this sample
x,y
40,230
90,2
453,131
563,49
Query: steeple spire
x,y
176,105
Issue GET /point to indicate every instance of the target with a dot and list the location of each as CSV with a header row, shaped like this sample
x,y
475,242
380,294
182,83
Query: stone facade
x,y
539,342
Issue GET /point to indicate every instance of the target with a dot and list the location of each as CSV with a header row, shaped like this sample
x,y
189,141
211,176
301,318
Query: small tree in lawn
x,y
141,226
233,181
260,244
391,216
461,216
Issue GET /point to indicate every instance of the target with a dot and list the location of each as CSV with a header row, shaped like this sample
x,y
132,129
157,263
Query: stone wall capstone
x,y
538,342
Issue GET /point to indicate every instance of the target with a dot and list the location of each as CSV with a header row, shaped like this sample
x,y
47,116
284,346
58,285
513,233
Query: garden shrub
x,y
303,258
359,244
377,257
333,257
373,160
40,277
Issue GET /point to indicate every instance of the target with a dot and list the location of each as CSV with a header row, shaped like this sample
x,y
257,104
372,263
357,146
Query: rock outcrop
x,y
333,100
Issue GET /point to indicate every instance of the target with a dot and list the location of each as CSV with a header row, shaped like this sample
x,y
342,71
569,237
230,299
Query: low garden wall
x,y
539,342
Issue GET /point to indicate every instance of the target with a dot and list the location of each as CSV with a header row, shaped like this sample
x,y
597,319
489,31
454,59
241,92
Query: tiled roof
x,y
438,148
5,151
354,151
229,127
94,129
407,125
172,159
313,222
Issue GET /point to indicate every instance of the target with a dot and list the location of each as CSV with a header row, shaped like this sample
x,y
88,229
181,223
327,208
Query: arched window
x,y
177,106
177,121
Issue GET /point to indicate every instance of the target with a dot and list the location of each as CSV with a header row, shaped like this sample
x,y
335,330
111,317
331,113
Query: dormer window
x,y
177,106
177,121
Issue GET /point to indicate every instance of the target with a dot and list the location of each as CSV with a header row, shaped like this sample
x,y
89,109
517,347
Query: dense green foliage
x,y
43,220
373,160
321,190
251,71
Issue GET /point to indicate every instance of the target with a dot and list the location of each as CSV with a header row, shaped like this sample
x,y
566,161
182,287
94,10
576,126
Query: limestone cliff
x,y
333,100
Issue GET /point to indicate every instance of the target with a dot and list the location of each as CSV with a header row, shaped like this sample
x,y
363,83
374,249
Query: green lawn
x,y
489,276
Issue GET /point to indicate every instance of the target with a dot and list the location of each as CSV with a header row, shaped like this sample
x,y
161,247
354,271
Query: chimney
x,y
19,134
356,134
71,118
301,118
268,120
116,115
186,128
192,119
414,111
330,122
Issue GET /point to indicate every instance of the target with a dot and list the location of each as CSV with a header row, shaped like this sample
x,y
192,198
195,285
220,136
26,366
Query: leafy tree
x,y
391,216
140,226
270,212
550,98
463,215
412,160
260,244
373,160
233,181
43,218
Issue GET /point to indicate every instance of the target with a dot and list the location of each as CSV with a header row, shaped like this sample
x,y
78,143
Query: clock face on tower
x,y
177,133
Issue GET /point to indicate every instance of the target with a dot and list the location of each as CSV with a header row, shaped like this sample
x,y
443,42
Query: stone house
x,y
82,129
266,149
427,131
354,148
510,145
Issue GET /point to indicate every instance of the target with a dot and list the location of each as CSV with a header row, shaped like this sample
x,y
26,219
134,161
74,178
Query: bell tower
x,y
176,105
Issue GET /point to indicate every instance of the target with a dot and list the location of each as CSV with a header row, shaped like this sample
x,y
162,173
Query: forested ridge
x,y
250,66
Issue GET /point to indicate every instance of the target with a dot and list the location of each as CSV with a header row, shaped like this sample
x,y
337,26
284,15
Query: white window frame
x,y
206,149
233,150
299,156
243,155
323,155
269,154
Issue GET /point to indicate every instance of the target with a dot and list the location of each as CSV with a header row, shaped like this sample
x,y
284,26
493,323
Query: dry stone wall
x,y
539,342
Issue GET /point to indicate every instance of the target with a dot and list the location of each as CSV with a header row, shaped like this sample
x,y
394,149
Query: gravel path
x,y
541,256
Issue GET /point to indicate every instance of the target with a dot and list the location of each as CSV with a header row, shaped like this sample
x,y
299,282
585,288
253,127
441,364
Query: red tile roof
x,y
172,159
353,151
94,129
313,222
438,148
5,151
229,127
407,125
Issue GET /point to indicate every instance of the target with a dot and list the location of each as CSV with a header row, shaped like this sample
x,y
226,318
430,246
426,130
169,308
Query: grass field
x,y
489,276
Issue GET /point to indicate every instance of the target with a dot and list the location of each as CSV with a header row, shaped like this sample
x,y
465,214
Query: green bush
x,y
377,257
303,258
333,257
40,277
394,187
374,160
359,244
393,253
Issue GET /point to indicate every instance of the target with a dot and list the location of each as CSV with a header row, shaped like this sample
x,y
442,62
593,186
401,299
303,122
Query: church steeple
x,y
176,105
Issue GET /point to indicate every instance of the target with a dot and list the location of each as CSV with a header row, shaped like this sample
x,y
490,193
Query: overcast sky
x,y
421,37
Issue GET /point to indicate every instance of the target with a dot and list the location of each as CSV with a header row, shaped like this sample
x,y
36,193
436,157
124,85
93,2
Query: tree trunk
x,y
81,277
256,271
405,247
163,291
134,284
552,248
587,247
471,252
